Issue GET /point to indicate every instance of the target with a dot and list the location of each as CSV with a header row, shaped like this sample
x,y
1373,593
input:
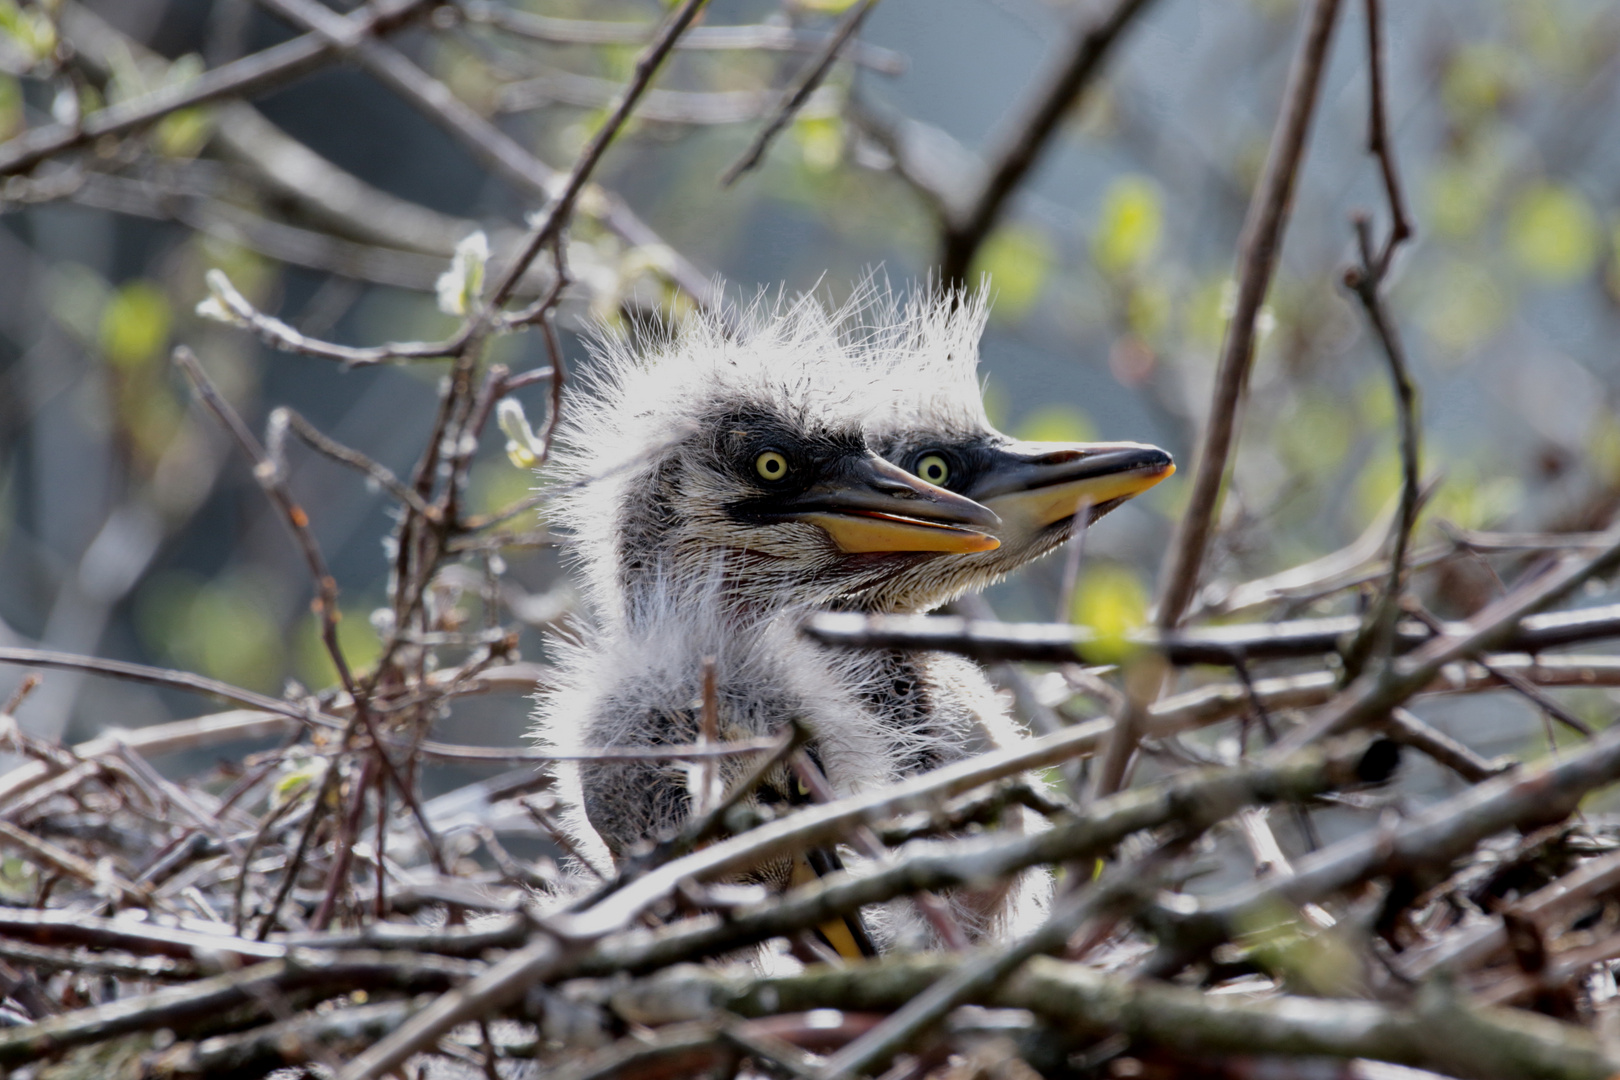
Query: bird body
x,y
642,685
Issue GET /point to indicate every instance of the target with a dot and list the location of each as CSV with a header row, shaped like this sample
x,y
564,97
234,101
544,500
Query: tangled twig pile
x,y
306,907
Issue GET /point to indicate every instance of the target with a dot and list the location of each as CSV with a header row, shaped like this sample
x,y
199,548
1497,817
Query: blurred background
x,y
130,529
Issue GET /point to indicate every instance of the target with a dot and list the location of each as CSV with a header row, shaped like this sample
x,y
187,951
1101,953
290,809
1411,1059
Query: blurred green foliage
x,y
135,324
1110,600
1056,423
1553,233
221,627
312,661
1129,225
1017,260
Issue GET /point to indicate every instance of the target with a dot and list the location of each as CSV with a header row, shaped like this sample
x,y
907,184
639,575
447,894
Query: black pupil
x,y
934,470
773,465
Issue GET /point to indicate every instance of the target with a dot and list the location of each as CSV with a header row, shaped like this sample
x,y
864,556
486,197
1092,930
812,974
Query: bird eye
x,y
771,465
934,468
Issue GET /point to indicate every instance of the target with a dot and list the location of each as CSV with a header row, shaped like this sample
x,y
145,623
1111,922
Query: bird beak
x,y
1035,484
848,936
875,506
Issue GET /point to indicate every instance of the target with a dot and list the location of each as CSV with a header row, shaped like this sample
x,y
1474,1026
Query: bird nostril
x,y
1062,457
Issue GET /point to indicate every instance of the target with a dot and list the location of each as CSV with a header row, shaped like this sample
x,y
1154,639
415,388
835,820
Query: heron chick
x,y
716,484
744,449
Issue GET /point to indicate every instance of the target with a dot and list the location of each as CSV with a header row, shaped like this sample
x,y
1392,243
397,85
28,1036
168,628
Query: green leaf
x,y
1017,259
11,106
135,324
1110,601
1129,226
460,287
357,639
821,141
1553,233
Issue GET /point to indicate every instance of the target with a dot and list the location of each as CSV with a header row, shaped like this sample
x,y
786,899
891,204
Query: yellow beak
x,y
840,934
1033,485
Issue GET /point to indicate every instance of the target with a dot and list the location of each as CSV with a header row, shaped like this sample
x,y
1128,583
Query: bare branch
x,y
1257,259
247,76
1029,136
317,440
797,94
229,305
1439,1031
548,228
1058,643
1423,844
749,38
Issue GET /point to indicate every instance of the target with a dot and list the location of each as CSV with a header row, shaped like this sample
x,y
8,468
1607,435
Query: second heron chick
x,y
933,424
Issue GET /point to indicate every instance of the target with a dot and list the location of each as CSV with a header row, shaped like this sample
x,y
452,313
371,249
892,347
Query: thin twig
x,y
284,417
241,78
1028,138
549,228
1258,249
56,858
1369,699
937,913
1366,282
760,36
235,308
1424,842
796,95
1058,643
982,974
271,477
28,685
1378,144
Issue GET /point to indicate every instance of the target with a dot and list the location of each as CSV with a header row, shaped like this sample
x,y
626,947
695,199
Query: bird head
x,y
744,452
935,427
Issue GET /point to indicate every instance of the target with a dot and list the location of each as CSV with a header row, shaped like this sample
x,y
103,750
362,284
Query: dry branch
x,y
1439,1032
1058,643
1026,138
1258,249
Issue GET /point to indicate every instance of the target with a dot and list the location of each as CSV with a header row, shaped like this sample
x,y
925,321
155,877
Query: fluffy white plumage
x,y
648,407
672,579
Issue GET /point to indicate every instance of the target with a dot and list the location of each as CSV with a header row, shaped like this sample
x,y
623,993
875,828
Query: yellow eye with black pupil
x,y
771,465
934,469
